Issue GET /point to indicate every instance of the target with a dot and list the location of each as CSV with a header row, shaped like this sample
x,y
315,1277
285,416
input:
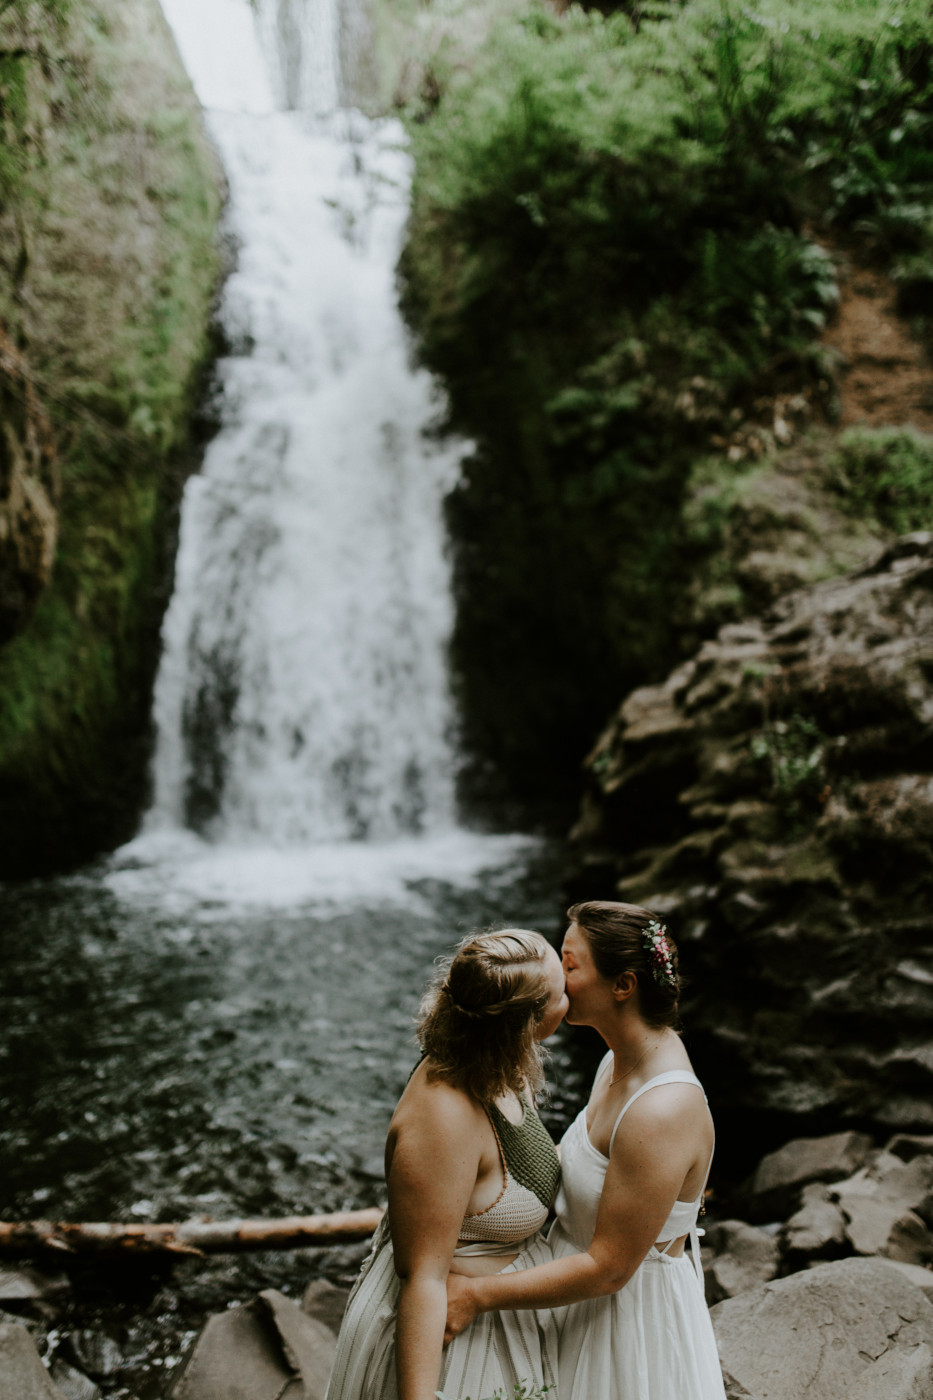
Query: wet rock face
x,y
774,797
28,493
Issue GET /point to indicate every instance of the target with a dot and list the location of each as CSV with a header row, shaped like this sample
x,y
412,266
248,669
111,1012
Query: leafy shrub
x,y
887,473
608,263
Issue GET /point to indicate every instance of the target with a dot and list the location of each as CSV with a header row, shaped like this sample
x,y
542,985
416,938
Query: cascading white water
x,y
303,694
301,38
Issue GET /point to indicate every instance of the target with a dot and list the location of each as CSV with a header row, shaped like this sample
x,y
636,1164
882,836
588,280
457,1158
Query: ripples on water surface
x,y
168,1052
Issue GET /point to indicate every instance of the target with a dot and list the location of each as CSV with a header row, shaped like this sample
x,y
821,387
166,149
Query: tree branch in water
x,y
197,1237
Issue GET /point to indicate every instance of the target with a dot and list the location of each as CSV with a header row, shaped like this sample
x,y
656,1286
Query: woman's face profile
x,y
583,981
556,1009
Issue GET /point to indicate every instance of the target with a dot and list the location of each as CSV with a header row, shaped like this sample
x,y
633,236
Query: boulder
x,y
885,1204
22,1374
776,1186
818,1228
28,1285
920,1278
266,1350
907,1146
743,1258
308,1344
819,1334
326,1302
735,1391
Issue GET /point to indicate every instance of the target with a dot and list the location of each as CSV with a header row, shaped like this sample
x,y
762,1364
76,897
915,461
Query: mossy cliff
x,y
623,256
109,263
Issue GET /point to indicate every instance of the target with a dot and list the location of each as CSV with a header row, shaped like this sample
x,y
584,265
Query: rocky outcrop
x,y
266,1347
806,1213
28,492
806,1316
774,796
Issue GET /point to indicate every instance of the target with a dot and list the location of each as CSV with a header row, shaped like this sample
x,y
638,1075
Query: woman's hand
x,y
462,1306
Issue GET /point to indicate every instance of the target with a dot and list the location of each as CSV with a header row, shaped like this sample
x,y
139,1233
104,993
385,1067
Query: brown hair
x,y
478,1017
616,937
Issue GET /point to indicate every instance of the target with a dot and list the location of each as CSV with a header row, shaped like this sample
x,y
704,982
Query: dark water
x,y
164,1058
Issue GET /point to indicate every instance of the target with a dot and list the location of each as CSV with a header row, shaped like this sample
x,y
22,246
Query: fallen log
x,y
192,1237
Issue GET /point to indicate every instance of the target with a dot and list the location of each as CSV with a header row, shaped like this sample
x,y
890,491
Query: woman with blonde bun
x,y
471,1174
634,1168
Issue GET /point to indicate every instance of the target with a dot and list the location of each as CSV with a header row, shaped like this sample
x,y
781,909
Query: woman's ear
x,y
624,986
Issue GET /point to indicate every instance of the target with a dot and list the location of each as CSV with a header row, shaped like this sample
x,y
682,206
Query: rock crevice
x,y
29,489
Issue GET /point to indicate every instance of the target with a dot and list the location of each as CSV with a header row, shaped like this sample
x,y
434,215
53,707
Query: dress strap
x,y
670,1076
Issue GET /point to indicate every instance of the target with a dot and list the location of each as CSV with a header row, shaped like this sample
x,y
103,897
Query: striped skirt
x,y
497,1352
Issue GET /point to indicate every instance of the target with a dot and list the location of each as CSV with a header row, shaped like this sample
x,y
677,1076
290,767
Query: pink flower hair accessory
x,y
660,950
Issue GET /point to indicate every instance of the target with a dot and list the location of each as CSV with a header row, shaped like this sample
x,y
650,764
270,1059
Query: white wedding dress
x,y
653,1340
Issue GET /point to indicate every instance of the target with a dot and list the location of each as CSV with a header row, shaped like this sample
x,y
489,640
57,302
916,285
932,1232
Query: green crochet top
x,y
529,1151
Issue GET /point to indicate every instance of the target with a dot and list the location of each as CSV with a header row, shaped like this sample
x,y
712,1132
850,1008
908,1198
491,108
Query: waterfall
x,y
303,695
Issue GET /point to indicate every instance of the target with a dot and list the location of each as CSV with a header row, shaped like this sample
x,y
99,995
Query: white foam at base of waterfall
x,y
182,875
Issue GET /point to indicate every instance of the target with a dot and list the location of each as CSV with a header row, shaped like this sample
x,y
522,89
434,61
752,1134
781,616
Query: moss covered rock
x,y
28,493
109,264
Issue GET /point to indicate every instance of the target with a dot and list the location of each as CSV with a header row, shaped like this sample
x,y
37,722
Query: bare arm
x,y
648,1166
431,1178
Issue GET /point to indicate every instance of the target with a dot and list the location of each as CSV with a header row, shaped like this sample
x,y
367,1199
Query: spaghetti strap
x,y
670,1076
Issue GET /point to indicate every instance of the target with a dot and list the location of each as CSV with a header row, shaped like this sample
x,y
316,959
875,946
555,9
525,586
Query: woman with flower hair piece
x,y
634,1169
472,1174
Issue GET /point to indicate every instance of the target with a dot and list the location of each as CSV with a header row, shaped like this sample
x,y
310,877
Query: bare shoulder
x,y
668,1111
435,1108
